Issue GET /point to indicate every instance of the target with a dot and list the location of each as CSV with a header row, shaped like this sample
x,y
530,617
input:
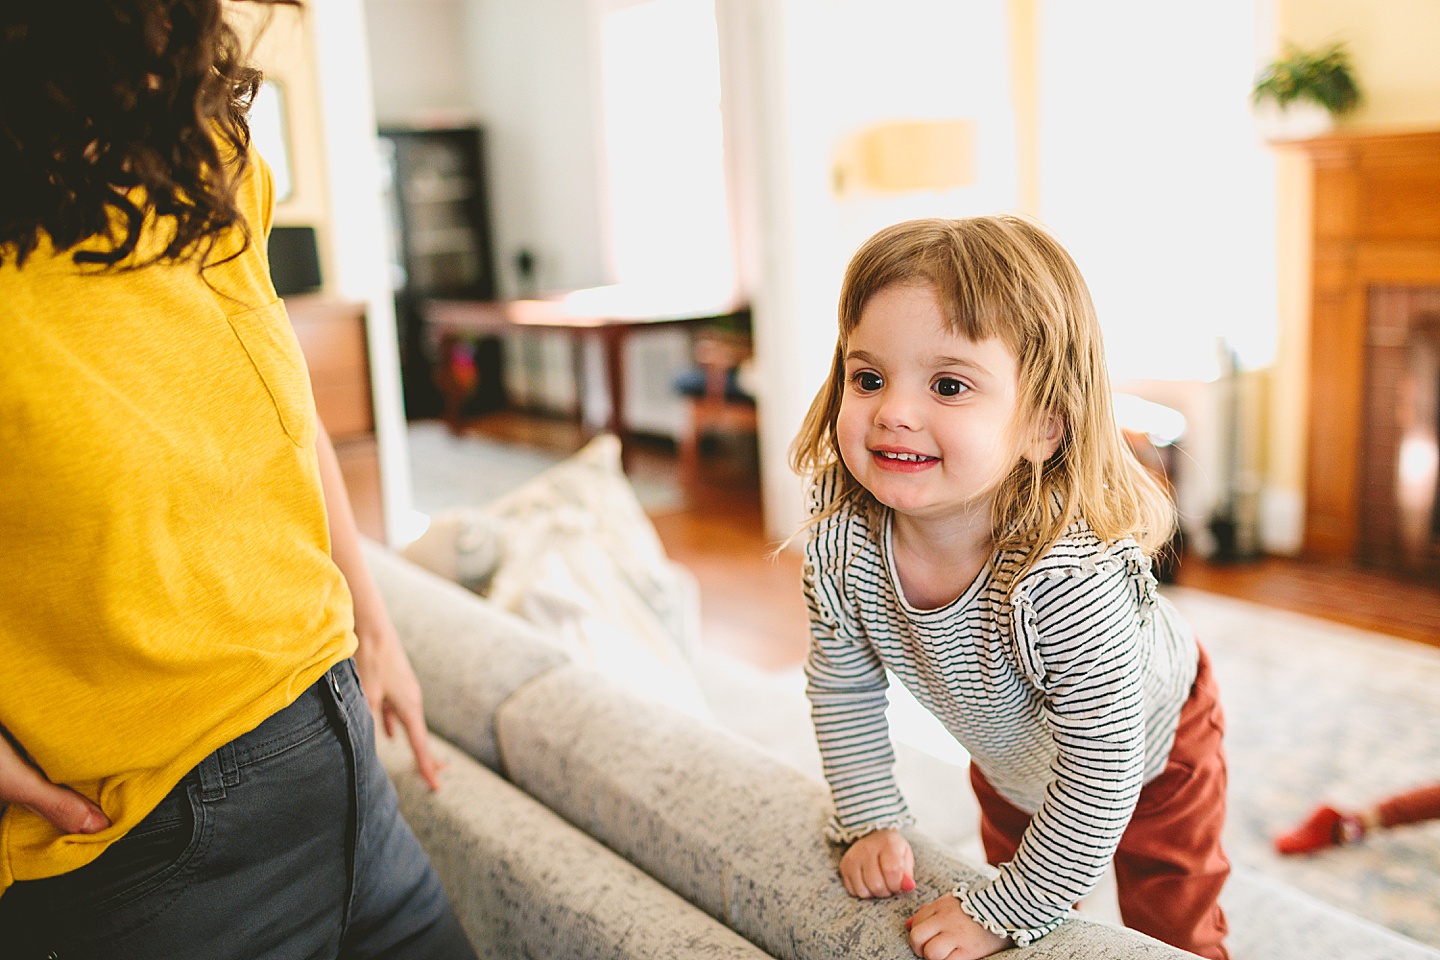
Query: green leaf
x,y
1325,76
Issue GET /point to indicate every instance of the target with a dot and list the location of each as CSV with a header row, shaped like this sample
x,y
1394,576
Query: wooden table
x,y
450,321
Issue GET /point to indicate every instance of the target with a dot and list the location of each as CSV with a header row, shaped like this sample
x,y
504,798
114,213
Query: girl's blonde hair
x,y
1005,277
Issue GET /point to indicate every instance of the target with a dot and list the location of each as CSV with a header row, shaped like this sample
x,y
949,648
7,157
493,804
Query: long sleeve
x,y
1065,691
1079,637
846,684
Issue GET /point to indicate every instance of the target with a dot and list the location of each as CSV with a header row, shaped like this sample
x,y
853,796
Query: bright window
x,y
664,152
1156,180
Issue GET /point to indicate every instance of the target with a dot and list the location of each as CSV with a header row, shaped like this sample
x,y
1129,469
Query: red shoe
x,y
1326,827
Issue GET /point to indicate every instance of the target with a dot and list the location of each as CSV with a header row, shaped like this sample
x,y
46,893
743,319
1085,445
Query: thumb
x,y
65,809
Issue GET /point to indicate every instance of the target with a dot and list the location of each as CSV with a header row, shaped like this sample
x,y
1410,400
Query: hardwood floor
x,y
750,598
1369,599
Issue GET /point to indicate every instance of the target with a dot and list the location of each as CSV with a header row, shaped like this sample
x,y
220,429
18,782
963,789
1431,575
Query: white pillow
x,y
572,551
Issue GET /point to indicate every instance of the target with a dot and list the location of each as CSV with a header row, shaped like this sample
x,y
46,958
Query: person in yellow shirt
x,y
192,645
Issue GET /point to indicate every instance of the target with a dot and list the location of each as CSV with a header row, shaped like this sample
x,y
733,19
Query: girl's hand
x,y
879,864
941,930
392,690
385,672
21,783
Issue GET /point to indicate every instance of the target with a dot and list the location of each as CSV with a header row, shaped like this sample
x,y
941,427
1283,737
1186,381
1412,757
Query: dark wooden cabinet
x,y
332,337
440,222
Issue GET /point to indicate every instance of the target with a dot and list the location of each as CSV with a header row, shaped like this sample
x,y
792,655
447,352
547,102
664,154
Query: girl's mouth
x,y
903,460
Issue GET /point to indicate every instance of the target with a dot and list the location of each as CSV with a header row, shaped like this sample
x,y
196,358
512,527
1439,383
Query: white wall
x,y
529,72
823,70
1153,176
417,60
285,51
531,68
1160,189
358,238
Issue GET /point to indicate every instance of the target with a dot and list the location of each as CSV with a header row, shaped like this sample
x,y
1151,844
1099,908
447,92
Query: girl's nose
x,y
897,411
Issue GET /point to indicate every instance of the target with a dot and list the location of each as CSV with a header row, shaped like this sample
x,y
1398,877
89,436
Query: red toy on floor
x,y
1329,827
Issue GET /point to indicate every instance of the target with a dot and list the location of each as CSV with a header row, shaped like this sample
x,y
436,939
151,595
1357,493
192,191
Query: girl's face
x,y
929,420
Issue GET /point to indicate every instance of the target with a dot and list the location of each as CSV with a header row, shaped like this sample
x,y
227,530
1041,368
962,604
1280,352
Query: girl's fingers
x,y
874,880
67,810
850,877
926,941
897,869
880,864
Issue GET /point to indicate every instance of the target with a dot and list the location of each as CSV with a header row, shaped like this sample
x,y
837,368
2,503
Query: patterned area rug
x,y
1319,711
1315,711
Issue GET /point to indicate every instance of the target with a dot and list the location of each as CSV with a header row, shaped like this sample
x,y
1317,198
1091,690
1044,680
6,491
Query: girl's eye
x,y
949,387
867,381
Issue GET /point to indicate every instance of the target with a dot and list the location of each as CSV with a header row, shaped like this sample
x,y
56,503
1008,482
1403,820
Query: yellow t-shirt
x,y
165,572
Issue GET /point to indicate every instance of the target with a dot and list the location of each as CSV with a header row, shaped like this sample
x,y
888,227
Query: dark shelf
x,y
440,213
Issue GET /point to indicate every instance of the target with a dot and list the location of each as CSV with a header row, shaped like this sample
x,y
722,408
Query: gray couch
x,y
579,820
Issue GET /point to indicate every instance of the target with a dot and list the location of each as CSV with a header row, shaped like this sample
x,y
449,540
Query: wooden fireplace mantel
x,y
1376,220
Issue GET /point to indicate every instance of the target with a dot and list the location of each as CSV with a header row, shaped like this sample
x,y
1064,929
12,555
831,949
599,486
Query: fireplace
x,y
1371,492
1399,519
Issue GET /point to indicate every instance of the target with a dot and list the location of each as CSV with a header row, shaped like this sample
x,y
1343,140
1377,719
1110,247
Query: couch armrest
x,y
468,655
526,884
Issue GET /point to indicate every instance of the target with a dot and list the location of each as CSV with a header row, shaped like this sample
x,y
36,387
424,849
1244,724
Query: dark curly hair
x,y
114,111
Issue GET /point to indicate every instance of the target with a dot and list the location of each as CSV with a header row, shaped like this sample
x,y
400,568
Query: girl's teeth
x,y
912,457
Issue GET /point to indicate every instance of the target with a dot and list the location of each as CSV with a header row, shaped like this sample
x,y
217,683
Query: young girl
x,y
980,530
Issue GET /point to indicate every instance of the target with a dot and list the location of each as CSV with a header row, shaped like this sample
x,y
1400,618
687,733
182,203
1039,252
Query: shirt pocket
x,y
270,343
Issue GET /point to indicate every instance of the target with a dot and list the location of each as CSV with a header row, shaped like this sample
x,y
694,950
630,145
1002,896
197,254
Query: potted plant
x,y
1301,93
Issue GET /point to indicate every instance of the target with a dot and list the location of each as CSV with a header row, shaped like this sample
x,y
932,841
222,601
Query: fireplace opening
x,y
1399,492
1435,500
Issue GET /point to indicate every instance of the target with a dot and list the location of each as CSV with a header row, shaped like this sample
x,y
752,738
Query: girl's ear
x,y
1050,431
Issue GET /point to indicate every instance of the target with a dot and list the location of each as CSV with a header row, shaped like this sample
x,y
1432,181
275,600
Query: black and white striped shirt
x,y
1067,696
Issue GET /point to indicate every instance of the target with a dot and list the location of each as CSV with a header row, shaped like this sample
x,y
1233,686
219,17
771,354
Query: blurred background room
x,y
507,226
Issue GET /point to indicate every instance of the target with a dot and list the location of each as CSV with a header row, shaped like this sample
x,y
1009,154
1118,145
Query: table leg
x,y
615,379
612,339
577,363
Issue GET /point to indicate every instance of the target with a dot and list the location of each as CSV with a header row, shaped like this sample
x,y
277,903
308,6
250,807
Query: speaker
x,y
294,260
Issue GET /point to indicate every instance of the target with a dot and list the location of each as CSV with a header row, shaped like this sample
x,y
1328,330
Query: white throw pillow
x,y
572,551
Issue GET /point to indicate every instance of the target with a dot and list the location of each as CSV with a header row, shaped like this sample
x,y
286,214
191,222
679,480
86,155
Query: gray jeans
x,y
284,843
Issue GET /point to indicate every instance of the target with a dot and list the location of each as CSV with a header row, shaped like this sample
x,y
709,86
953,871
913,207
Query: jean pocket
x,y
270,343
140,863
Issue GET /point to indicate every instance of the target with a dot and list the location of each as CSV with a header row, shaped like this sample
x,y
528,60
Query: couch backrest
x,y
468,655
728,827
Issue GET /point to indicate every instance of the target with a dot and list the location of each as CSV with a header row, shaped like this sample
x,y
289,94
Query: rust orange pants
x,y
1169,867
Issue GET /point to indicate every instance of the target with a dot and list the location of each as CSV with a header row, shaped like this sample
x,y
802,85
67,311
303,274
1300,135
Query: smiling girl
x,y
979,529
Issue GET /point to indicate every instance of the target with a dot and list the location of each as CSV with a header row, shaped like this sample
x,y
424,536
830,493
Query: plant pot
x,y
1297,120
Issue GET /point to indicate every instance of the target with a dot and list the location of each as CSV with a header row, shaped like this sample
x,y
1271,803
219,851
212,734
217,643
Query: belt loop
x,y
229,765
212,783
